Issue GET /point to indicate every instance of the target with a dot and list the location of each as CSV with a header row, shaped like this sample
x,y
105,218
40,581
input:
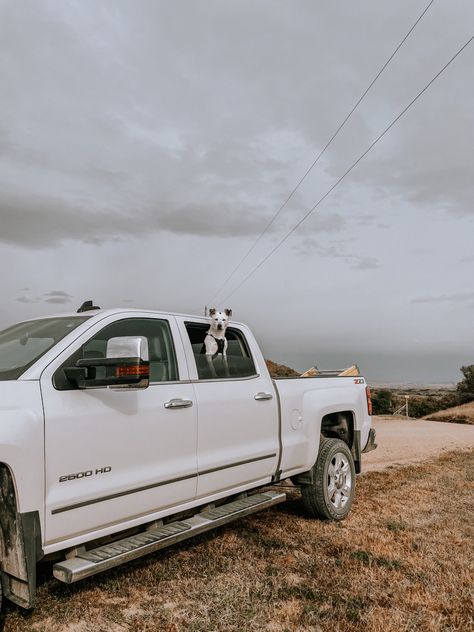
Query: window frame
x,y
190,353
88,336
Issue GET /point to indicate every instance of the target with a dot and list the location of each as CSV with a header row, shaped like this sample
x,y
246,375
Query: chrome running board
x,y
87,563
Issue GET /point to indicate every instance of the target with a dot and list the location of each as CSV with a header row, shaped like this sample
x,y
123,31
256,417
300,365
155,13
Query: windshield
x,y
21,345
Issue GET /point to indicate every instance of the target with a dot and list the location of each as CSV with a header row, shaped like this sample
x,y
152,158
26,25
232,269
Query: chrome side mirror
x,y
128,347
126,365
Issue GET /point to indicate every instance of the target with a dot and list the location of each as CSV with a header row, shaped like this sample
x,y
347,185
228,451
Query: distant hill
x,y
280,370
463,414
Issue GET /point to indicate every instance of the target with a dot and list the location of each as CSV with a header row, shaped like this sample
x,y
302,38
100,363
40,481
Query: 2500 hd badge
x,y
73,477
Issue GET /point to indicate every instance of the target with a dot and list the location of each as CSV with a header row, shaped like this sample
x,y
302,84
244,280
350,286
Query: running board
x,y
87,563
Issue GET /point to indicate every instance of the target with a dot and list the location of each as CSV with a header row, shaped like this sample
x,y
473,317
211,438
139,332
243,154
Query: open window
x,y
238,362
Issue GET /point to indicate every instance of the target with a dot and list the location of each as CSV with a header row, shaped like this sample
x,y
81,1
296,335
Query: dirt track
x,y
401,442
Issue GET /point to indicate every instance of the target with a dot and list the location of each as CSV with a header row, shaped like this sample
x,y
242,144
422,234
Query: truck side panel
x,y
304,403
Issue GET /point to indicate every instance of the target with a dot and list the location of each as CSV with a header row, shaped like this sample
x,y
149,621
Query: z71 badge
x,y
85,474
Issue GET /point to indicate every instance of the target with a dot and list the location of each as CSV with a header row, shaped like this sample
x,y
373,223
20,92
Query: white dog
x,y
215,342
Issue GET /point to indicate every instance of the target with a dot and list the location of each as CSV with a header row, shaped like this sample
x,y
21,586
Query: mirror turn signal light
x,y
134,370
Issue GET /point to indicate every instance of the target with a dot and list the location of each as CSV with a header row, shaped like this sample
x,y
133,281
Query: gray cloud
x,y
365,263
458,297
308,246
55,297
122,140
144,146
57,300
58,294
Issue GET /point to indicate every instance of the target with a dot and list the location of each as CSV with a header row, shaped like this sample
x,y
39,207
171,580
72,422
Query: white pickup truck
x,y
118,438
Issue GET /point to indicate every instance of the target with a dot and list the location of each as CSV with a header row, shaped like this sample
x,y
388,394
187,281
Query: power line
x,y
323,150
315,206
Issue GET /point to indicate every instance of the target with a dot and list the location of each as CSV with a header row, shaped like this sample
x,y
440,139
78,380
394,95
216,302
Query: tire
x,y
331,494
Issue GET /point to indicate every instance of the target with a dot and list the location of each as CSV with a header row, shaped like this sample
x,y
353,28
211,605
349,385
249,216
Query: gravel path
x,y
401,442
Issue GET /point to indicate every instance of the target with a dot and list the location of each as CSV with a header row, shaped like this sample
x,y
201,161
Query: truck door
x,y
116,456
238,427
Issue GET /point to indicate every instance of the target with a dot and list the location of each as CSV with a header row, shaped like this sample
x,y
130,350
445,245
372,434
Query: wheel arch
x,y
338,424
342,425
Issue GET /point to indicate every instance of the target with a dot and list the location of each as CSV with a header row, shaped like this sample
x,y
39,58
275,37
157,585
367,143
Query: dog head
x,y
219,320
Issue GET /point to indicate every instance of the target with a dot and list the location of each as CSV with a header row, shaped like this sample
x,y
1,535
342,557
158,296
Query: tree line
x,y
386,401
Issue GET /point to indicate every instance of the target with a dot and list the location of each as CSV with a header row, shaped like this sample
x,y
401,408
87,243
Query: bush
x,y
421,406
465,388
382,402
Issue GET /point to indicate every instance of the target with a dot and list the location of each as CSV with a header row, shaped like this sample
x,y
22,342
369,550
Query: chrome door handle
x,y
178,403
260,397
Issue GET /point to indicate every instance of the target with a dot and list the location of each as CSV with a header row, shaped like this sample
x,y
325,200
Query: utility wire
x,y
315,206
316,160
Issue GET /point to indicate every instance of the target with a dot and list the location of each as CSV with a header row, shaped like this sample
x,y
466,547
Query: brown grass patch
x,y
402,561
463,414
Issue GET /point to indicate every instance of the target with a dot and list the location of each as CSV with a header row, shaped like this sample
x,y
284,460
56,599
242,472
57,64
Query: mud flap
x,y
371,445
20,539
357,452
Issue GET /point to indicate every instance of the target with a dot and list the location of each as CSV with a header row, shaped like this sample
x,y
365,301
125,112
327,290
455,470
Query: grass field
x,y
402,561
463,414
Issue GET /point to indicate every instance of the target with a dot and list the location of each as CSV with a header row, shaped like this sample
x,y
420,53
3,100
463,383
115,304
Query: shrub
x,y
382,402
465,388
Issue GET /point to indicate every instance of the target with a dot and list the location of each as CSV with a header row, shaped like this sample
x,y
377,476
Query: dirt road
x,y
401,442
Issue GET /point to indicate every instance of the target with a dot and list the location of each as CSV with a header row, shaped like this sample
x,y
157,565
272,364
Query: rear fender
x,y
338,425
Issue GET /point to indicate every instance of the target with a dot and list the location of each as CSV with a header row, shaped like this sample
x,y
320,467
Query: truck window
x,y
239,362
163,365
23,344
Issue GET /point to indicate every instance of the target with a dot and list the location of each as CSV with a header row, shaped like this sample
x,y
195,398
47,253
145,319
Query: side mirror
x,y
126,365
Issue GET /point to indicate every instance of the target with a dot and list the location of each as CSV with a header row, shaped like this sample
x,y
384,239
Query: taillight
x,y
369,399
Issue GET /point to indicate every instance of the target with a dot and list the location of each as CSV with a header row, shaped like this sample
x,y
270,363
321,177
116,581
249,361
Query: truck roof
x,y
119,310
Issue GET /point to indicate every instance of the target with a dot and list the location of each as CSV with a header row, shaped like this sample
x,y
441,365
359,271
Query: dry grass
x,y
280,370
463,414
402,561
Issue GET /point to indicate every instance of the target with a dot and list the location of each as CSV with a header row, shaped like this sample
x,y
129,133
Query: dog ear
x,y
228,312
212,311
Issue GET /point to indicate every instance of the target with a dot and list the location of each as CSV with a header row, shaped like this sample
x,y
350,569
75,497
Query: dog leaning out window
x,y
239,360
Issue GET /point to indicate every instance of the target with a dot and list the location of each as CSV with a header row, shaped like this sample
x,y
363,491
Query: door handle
x,y
178,403
260,397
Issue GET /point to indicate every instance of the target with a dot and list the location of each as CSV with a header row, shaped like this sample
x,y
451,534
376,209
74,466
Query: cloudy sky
x,y
145,144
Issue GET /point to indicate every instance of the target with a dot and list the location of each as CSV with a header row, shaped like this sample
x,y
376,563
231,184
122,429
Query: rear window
x,y
238,362
23,344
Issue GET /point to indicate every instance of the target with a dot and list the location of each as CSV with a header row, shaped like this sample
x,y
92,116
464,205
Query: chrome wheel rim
x,y
339,481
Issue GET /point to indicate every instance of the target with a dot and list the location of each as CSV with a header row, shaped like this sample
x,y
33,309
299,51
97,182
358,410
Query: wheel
x,y
331,494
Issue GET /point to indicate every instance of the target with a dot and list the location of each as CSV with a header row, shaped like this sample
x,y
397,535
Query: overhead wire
x,y
354,164
321,153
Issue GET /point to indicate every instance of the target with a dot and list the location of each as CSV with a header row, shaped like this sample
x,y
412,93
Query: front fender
x,y
22,441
